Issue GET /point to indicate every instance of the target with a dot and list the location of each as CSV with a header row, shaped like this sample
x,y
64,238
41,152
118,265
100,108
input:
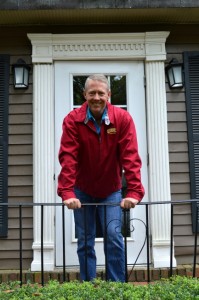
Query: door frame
x,y
134,72
147,46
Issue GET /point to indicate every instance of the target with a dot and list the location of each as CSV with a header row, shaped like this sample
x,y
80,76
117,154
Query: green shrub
x,y
178,288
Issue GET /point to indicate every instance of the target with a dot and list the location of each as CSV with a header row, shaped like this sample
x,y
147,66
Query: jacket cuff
x,y
134,195
68,195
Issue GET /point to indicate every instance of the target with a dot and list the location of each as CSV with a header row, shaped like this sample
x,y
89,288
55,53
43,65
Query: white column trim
x,y
43,164
159,174
47,48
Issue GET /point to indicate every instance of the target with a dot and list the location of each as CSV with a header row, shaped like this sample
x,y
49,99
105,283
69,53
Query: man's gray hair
x,y
97,77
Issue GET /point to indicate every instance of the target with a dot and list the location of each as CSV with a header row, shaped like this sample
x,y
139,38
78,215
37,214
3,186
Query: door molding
x,y
134,73
146,46
149,47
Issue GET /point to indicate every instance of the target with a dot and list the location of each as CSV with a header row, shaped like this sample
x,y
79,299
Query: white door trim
x,y
149,47
134,73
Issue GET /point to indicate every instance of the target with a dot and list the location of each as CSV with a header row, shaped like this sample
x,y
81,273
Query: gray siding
x,y
19,159
178,152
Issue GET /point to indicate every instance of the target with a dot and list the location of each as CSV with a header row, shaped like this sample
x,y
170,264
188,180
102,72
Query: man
x,y
98,141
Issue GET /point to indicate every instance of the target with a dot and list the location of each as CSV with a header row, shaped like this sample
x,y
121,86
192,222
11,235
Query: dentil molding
x,y
49,47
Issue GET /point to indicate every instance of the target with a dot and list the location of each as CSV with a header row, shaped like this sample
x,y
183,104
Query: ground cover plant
x,y
178,288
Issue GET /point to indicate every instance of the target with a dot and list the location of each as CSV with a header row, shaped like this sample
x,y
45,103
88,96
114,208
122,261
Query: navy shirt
x,y
104,118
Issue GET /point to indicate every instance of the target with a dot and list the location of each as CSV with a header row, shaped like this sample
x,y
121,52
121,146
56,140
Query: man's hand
x,y
128,203
72,203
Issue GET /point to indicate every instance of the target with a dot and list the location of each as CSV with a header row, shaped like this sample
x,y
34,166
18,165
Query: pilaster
x,y
43,164
159,175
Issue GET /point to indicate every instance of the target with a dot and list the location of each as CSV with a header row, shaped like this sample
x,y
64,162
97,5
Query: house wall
x,y
16,43
178,153
20,156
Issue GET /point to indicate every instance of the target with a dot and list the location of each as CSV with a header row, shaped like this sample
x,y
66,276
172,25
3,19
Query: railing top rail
x,y
98,203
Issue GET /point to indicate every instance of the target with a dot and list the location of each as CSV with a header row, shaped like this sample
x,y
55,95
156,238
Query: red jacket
x,y
93,162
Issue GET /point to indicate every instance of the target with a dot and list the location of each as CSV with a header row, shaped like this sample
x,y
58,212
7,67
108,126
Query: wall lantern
x,y
174,74
21,74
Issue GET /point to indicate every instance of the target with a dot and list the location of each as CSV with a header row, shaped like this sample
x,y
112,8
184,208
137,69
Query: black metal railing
x,y
126,221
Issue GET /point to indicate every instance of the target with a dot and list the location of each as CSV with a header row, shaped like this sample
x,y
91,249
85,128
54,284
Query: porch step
x,y
135,275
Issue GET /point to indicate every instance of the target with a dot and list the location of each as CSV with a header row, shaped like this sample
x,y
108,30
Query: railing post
x,y
105,242
171,244
195,241
42,245
147,240
64,248
125,243
86,243
20,242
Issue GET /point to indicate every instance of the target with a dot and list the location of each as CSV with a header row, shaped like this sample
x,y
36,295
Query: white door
x,y
127,79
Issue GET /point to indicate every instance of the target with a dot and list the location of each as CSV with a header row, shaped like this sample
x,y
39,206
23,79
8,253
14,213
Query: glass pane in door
x,y
118,90
78,89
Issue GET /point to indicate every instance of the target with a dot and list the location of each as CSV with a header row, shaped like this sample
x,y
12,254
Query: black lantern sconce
x,y
174,72
21,74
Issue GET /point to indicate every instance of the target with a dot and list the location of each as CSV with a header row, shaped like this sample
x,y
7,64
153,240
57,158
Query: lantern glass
x,y
177,71
21,75
171,77
26,77
175,74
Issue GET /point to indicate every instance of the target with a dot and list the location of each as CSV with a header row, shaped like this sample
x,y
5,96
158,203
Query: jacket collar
x,y
82,113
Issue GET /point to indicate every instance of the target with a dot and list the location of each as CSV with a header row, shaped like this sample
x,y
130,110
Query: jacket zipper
x,y
99,138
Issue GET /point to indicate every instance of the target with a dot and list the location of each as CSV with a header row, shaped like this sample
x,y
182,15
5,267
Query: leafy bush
x,y
181,288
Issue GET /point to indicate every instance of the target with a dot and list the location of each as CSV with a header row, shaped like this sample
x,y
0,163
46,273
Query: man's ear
x,y
109,95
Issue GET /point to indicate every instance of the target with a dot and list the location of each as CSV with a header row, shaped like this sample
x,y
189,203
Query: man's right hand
x,y
72,203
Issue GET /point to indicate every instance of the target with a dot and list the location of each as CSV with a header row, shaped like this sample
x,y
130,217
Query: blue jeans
x,y
85,221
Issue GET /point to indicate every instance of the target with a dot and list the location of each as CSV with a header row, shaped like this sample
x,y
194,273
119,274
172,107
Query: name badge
x,y
111,131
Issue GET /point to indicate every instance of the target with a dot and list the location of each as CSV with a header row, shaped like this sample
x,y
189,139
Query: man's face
x,y
96,95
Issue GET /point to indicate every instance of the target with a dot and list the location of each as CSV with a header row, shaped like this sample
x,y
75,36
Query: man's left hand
x,y
128,203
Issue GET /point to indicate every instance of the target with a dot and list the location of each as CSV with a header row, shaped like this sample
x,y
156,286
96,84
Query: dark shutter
x,y
4,92
191,68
